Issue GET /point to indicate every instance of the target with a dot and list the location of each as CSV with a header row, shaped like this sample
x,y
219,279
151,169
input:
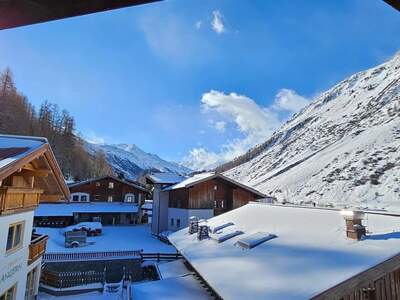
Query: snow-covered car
x,y
91,228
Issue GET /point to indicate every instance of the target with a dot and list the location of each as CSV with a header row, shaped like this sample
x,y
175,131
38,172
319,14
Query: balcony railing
x,y
13,199
37,247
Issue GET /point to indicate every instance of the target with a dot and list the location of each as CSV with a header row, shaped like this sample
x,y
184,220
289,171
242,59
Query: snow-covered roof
x,y
68,209
175,288
165,178
202,177
309,255
18,151
13,148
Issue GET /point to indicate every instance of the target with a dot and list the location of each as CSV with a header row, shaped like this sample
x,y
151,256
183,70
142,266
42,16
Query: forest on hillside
x,y
19,117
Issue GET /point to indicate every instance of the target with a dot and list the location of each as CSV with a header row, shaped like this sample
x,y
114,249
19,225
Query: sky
x,y
197,81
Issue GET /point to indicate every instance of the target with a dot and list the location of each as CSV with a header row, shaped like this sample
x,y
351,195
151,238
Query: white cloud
x,y
169,37
254,122
198,24
289,100
220,126
250,118
217,23
200,159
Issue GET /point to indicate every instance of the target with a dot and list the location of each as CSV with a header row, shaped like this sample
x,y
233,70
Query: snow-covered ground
x,y
174,288
177,283
85,296
174,268
114,238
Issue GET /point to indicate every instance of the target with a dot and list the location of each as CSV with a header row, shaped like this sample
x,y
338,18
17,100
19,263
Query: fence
x,y
160,256
70,279
87,256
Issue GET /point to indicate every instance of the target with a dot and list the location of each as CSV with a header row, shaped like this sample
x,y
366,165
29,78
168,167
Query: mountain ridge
x,y
304,161
132,161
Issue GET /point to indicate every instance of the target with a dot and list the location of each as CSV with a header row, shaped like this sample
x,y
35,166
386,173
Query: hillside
x,y
131,161
19,117
343,149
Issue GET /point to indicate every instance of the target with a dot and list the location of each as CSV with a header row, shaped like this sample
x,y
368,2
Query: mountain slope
x,y
131,161
343,149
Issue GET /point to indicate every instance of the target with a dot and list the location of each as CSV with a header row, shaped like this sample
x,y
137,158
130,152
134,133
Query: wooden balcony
x,y
13,199
37,247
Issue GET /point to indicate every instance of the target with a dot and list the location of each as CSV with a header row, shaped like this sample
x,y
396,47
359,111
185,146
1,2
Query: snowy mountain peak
x,y
342,149
131,161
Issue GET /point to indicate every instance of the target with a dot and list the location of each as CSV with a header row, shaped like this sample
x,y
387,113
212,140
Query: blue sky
x,y
197,80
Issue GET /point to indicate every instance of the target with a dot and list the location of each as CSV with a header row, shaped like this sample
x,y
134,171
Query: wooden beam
x,y
14,13
50,198
36,173
394,3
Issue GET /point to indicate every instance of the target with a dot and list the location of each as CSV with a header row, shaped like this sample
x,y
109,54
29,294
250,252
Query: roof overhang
x,y
394,3
14,13
45,153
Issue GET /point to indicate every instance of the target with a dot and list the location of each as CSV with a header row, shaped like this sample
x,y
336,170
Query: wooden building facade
x,y
216,193
108,189
204,196
107,199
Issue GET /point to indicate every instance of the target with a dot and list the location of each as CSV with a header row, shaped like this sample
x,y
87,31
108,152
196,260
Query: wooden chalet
x,y
108,189
107,199
29,174
204,196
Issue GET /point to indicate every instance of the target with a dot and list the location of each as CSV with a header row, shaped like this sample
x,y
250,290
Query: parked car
x,y
74,239
91,228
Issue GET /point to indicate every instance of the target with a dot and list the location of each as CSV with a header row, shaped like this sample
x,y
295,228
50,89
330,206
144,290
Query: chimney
x,y
354,228
193,224
202,233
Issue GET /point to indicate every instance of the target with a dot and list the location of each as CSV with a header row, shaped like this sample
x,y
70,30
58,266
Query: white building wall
x,y
164,199
14,265
156,208
159,218
184,215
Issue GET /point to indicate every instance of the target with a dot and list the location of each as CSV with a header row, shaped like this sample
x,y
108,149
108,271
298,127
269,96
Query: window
x,y
178,223
172,221
222,203
75,198
30,284
110,199
98,183
84,198
10,294
129,198
215,204
15,236
111,185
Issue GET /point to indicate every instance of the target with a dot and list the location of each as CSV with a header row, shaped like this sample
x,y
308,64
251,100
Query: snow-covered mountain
x,y
343,149
131,161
